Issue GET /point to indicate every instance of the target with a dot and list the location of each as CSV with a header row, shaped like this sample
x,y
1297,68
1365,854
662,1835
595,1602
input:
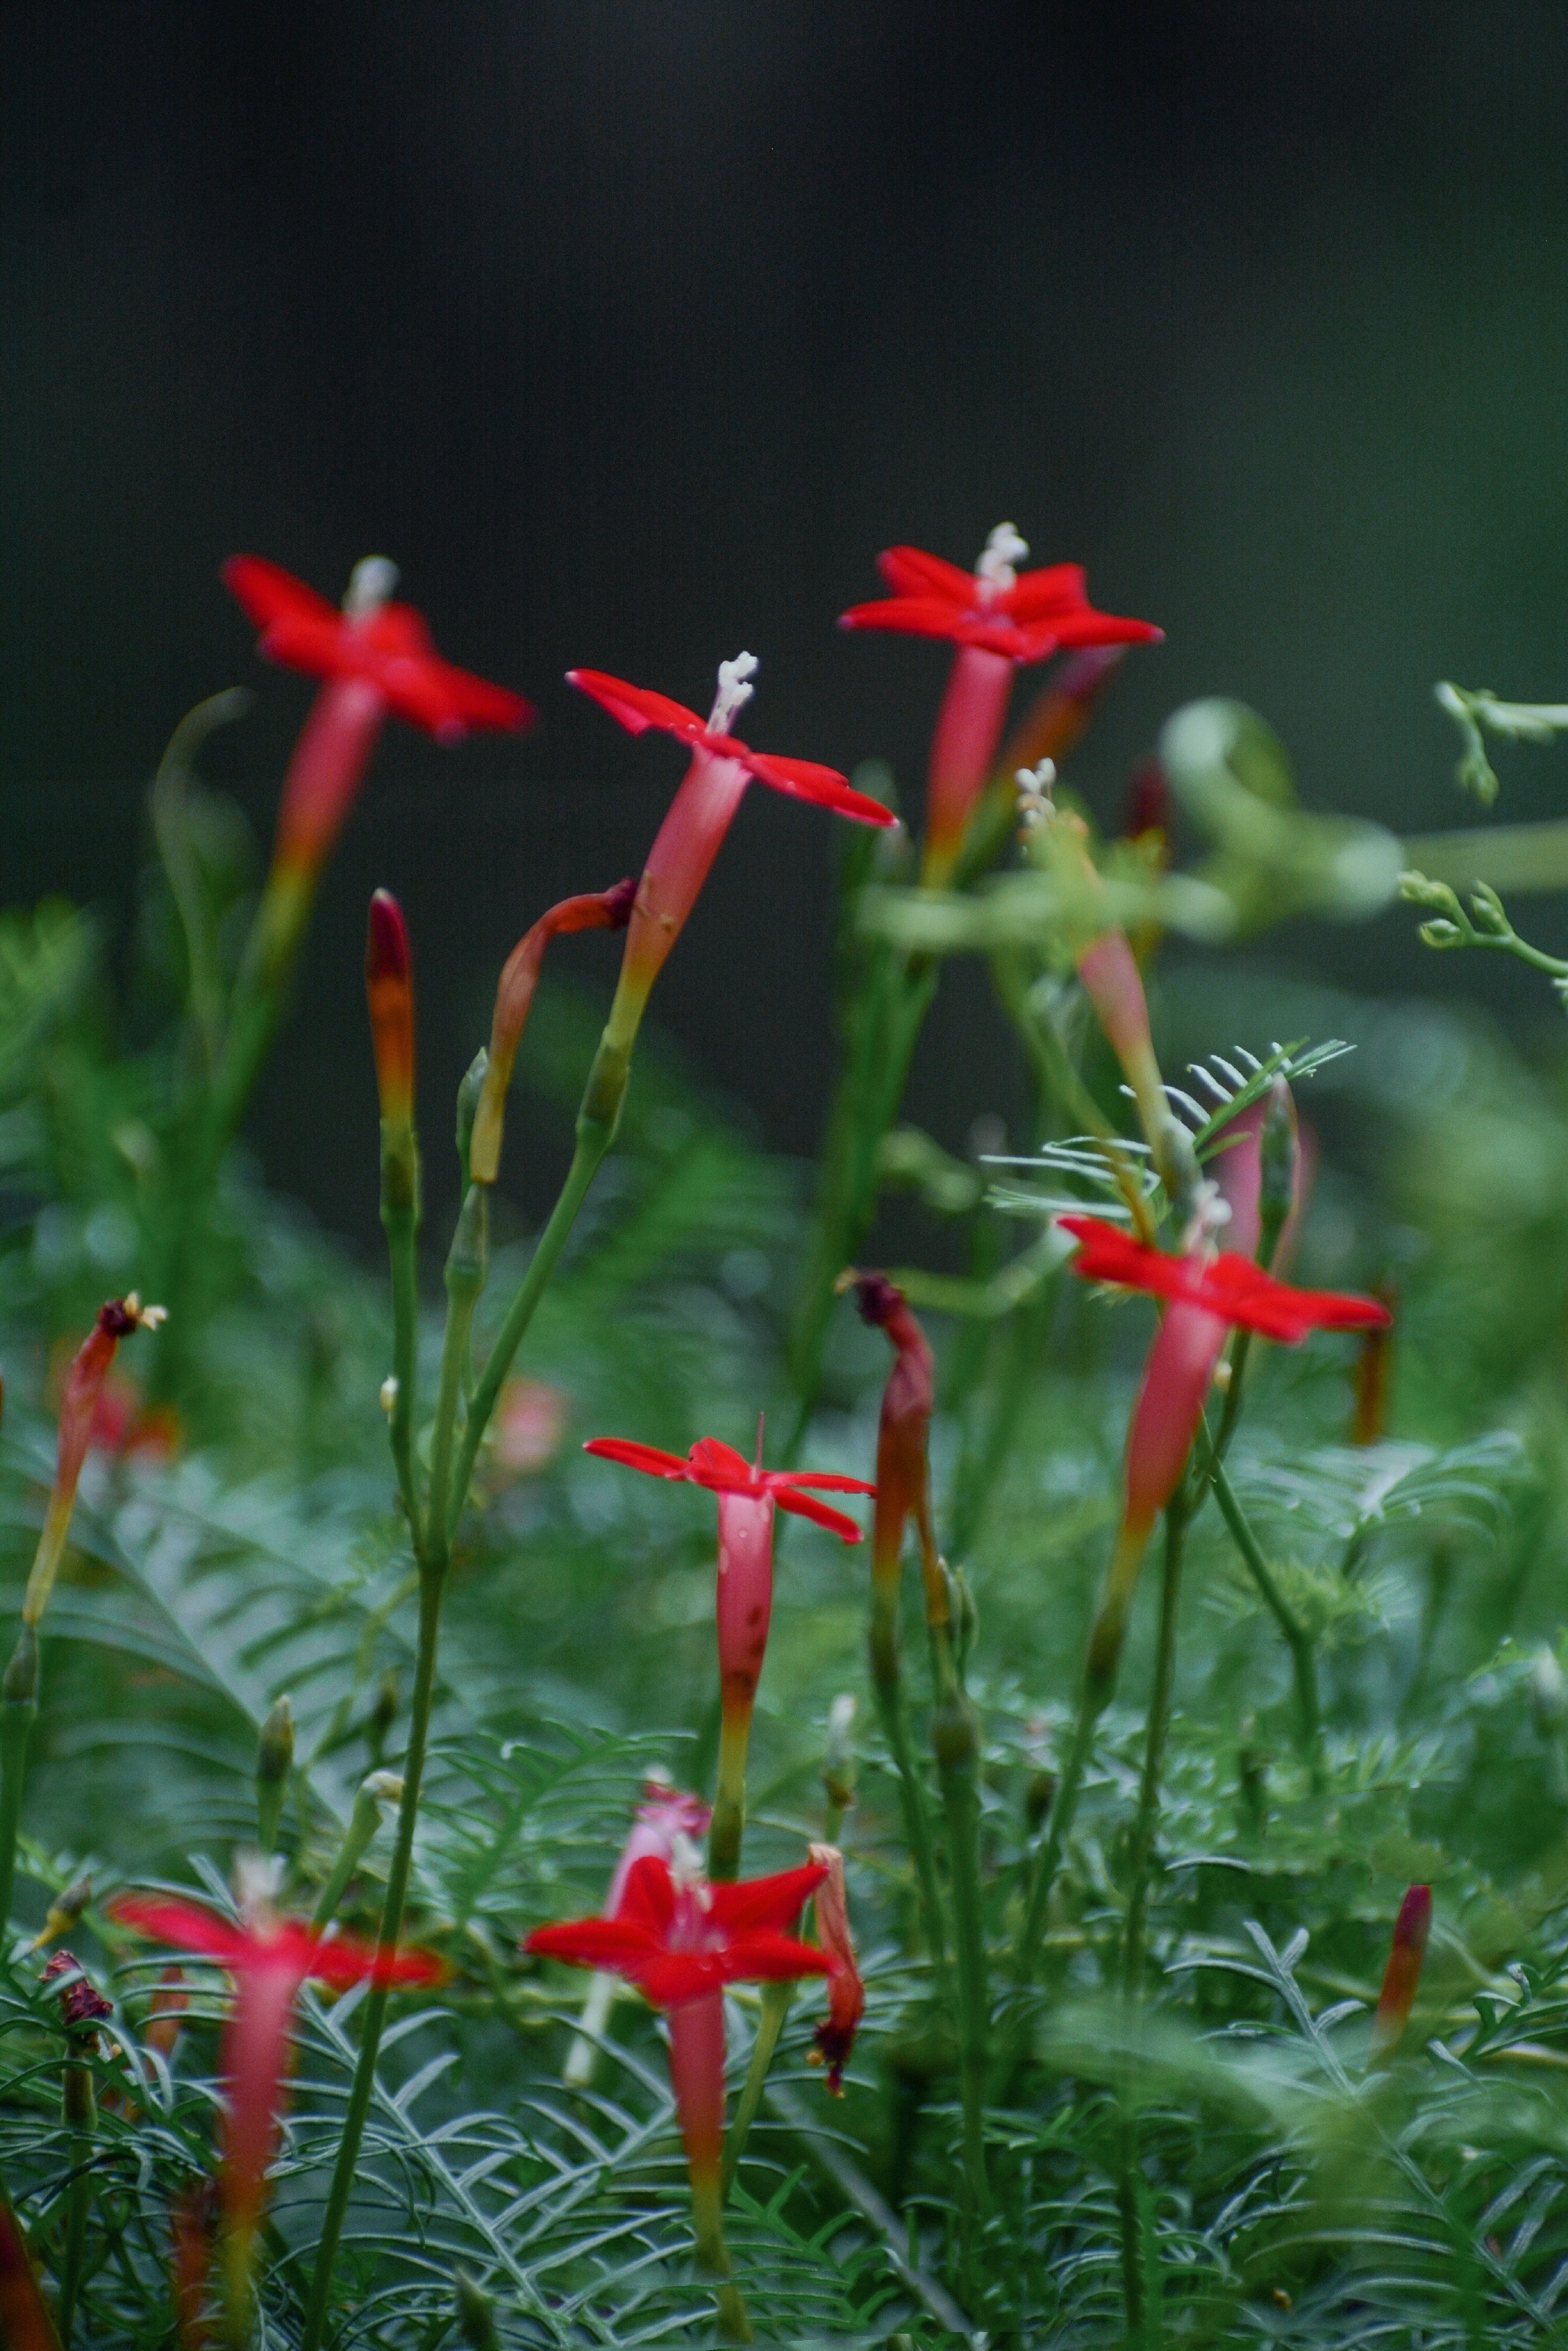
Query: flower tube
x,y
270,1958
700,815
997,619
836,2036
747,1496
375,660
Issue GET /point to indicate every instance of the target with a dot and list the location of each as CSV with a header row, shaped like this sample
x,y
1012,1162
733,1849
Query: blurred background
x,y
632,328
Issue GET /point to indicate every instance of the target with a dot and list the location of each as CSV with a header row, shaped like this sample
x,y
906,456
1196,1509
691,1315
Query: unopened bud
x,y
389,991
1441,934
1401,1976
64,1911
839,1753
1487,912
475,2314
274,1762
1435,896
468,1094
1548,1694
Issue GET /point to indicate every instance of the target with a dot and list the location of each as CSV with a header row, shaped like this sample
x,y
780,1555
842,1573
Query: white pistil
x,y
370,584
994,573
259,1879
733,691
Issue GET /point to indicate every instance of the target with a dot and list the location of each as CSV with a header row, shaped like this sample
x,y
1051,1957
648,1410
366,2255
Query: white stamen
x,y
371,583
1210,1210
734,692
1035,785
258,1879
687,1869
388,1393
994,572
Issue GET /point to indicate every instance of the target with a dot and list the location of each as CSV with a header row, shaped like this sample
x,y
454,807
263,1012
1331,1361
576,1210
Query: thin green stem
x,y
18,1712
1156,1734
79,2095
591,1149
401,1218
1303,1661
1131,2232
954,1734
376,2000
465,1267
770,2022
1064,1807
728,1823
888,1681
713,2256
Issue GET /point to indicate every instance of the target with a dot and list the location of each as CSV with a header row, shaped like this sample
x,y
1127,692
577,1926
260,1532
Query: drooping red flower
x,y
387,647
1230,1286
269,1958
1025,616
836,2036
117,1319
679,1938
996,618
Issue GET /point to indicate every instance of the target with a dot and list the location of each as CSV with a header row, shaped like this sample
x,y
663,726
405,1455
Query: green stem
x,y
1092,1701
728,1823
1156,1735
888,1681
18,1712
591,1146
956,1738
713,2256
1131,2232
774,2009
1303,1662
376,2000
465,1266
400,1219
364,1821
78,2199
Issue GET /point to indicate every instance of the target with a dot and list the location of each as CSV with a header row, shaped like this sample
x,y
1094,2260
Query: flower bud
x,y
468,1094
274,1762
1403,1974
1487,912
476,2314
1441,935
64,1911
839,1753
389,990
1418,891
1548,1693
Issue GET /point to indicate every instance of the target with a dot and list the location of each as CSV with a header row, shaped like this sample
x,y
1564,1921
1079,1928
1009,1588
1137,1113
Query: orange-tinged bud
x,y
1374,1364
1403,1974
389,987
595,910
846,1993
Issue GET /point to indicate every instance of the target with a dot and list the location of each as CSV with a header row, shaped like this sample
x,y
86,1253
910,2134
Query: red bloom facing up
x,y
747,1496
1208,1294
700,815
373,657
269,1958
681,1941
996,618
1228,1285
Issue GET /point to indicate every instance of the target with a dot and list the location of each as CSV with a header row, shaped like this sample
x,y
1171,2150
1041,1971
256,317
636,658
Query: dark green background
x,y
633,328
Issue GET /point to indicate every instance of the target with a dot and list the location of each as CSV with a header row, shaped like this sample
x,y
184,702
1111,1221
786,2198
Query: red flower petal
x,y
674,1979
804,779
1058,588
806,1506
614,1943
267,593
648,1898
910,571
1228,1285
652,1459
830,1481
719,1466
758,1902
345,1960
638,707
186,1926
766,1957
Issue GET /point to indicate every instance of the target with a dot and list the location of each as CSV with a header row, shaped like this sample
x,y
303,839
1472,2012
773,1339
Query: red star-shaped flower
x,y
680,1940
387,646
1025,616
638,707
1229,1287
723,1470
